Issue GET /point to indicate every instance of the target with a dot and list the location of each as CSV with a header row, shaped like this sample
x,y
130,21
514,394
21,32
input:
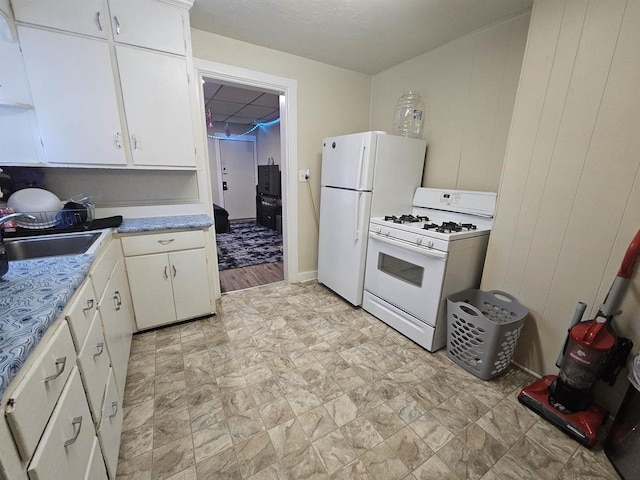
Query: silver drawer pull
x,y
89,305
100,349
117,25
118,144
76,421
166,242
114,407
116,301
60,364
118,298
98,21
174,271
134,141
165,273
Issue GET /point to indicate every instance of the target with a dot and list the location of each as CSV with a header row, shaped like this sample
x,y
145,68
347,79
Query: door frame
x,y
287,89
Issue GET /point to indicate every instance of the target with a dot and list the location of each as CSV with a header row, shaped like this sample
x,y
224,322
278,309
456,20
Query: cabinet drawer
x,y
111,425
65,448
29,406
93,362
162,242
81,314
103,266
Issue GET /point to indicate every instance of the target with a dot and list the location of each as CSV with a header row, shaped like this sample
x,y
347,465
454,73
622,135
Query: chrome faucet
x,y
6,218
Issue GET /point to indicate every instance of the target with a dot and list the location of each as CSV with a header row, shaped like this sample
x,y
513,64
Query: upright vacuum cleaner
x,y
592,351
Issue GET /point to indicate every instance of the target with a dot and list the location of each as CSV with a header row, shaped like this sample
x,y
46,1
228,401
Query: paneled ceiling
x,y
229,104
367,36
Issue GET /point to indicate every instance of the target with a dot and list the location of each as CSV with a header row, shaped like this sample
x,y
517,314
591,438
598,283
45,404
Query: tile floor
x,y
290,382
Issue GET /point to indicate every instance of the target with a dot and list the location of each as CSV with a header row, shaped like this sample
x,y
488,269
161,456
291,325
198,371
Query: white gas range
x,y
415,261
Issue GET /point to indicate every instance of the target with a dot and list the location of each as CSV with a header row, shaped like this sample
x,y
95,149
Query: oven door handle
x,y
407,246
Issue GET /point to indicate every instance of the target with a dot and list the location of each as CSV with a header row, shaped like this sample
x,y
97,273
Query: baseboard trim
x,y
307,276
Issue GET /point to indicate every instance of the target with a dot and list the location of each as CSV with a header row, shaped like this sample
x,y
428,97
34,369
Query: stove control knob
x,y
430,243
377,229
419,240
386,232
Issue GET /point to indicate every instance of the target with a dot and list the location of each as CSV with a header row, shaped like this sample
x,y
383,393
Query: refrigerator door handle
x,y
363,148
357,216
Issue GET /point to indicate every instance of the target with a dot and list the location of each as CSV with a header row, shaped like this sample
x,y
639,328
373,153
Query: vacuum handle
x,y
577,316
630,257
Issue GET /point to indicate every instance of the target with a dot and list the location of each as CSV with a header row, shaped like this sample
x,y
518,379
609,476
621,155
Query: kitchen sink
x,y
49,245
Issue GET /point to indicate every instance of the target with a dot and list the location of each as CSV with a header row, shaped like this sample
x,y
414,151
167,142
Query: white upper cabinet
x,y
88,17
149,24
74,94
157,107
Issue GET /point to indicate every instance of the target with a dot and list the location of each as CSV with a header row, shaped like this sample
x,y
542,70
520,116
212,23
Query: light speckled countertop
x,y
32,295
177,222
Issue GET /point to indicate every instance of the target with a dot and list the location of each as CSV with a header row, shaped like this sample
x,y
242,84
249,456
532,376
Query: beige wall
x,y
569,201
331,101
469,87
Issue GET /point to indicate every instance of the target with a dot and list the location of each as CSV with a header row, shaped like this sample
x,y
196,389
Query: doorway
x,y
287,91
244,140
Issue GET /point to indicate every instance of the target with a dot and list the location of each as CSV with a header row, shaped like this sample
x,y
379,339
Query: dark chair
x,y
221,219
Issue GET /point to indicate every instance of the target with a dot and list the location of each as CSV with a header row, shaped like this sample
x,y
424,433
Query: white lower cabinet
x,y
168,277
64,410
110,426
169,287
65,448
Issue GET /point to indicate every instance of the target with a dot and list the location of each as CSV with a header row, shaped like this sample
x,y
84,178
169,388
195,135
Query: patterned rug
x,y
248,244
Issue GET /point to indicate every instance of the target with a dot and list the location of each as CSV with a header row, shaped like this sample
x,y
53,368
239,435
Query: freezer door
x,y
347,161
344,222
399,165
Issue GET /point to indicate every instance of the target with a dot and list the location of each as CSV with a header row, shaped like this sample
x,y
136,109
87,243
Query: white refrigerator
x,y
364,175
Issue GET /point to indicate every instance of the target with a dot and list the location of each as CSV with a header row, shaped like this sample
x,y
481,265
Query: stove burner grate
x,y
406,218
449,227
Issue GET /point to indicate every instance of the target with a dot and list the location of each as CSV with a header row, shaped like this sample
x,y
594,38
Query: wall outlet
x,y
303,175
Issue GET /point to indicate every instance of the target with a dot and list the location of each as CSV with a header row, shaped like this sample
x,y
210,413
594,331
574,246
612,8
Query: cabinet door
x,y
65,448
74,95
93,361
148,23
111,425
111,327
155,88
86,17
151,292
124,306
190,280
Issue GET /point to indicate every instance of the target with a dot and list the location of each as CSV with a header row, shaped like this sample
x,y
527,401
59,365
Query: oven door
x,y
405,275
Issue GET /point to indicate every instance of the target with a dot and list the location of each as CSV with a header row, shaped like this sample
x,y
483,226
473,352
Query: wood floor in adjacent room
x,y
251,276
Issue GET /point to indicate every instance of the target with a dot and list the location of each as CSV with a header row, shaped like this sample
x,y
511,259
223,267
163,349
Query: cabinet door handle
x,y
165,273
115,19
98,20
118,144
89,305
76,422
99,348
114,409
166,242
134,141
174,270
115,300
60,364
118,298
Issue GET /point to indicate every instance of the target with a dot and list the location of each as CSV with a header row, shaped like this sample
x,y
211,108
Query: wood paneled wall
x,y
569,200
469,87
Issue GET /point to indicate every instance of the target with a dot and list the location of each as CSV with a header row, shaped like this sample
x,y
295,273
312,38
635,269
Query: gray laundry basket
x,y
482,330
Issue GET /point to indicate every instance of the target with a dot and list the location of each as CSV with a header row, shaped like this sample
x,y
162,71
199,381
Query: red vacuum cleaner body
x,y
591,352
